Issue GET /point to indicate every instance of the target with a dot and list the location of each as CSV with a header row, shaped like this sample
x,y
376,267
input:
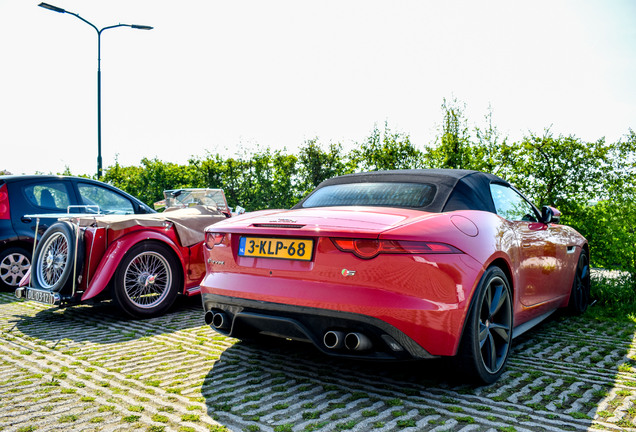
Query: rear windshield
x,y
386,194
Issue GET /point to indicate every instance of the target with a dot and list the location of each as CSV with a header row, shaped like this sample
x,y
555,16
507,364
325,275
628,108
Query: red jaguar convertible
x,y
405,264
140,261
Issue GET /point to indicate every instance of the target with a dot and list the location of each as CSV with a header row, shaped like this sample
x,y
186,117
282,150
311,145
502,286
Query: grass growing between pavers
x,y
454,404
89,368
615,294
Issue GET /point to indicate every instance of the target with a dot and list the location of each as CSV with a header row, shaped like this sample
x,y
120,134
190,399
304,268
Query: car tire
x,y
55,257
580,294
487,338
147,280
14,263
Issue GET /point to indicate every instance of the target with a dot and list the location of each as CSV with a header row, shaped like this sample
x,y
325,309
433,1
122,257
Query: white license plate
x,y
42,296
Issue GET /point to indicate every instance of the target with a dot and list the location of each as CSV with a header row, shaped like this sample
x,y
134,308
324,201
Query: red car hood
x,y
322,221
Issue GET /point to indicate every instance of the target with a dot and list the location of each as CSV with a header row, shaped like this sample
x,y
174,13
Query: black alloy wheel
x,y
580,295
487,338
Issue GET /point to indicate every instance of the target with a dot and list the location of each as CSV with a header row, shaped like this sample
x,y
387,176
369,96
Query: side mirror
x,y
550,215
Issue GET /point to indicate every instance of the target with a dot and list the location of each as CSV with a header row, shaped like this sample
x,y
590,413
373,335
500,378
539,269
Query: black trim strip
x,y
303,320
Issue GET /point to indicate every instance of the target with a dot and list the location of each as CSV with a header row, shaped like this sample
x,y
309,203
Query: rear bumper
x,y
412,299
241,318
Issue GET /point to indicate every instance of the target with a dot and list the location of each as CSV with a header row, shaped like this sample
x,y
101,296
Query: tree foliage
x,y
385,151
317,165
592,183
557,170
609,222
452,147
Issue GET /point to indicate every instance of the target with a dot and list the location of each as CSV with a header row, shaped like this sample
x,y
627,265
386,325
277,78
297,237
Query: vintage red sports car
x,y
142,262
405,264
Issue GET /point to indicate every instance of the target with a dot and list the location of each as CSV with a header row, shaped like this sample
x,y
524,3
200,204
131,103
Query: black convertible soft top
x,y
455,189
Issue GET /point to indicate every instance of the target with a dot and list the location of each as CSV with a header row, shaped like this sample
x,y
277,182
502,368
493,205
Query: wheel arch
x,y
586,248
24,244
504,266
176,254
567,302
118,249
469,356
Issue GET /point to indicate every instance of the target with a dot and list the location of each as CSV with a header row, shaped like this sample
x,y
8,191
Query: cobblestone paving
x,y
87,368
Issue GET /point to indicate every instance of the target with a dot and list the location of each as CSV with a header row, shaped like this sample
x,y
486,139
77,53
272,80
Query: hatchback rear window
x,y
384,194
49,195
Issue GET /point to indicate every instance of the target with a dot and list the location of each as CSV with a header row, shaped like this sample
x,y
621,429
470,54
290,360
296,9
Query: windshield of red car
x,y
383,194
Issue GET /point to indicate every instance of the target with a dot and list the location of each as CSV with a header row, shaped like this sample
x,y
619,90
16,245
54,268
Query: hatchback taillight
x,y
213,239
5,212
370,248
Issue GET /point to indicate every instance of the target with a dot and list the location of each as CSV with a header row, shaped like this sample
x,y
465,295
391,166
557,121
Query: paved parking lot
x,y
87,368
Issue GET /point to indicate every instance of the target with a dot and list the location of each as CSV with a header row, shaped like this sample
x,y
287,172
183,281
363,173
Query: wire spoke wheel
x,y
148,278
56,259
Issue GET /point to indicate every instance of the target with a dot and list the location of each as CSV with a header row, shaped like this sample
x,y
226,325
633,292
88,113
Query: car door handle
x,y
25,219
526,245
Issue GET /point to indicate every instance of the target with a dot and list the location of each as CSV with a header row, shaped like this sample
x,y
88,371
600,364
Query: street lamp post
x,y
99,72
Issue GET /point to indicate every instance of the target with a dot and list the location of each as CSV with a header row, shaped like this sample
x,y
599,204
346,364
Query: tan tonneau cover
x,y
189,222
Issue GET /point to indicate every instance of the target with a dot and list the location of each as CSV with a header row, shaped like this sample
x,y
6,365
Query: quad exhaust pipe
x,y
353,341
357,342
333,339
218,320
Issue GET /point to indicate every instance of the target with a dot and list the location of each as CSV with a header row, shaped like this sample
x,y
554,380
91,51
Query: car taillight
x,y
370,248
213,239
5,212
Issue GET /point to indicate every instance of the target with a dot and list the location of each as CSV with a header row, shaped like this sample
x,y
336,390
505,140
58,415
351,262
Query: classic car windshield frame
x,y
380,194
182,198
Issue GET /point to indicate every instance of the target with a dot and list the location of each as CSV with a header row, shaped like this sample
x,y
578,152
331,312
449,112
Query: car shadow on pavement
x,y
570,373
290,385
102,322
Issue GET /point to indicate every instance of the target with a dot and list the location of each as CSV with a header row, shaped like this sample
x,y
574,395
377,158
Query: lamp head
x,y
51,7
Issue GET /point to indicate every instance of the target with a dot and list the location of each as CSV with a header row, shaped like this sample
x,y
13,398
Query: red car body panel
x,y
195,269
441,309
123,240
426,296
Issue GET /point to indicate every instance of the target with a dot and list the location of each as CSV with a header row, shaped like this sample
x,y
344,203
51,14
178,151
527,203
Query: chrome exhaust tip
x,y
357,342
209,317
333,339
220,321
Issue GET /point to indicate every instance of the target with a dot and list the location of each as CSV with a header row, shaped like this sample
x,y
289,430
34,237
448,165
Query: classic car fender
x,y
114,254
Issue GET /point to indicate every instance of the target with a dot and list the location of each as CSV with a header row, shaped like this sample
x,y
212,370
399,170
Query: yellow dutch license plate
x,y
289,248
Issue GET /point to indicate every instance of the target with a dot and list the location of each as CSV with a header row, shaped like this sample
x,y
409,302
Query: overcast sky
x,y
226,76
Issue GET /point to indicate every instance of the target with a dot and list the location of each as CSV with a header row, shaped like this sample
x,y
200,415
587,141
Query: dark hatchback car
x,y
22,195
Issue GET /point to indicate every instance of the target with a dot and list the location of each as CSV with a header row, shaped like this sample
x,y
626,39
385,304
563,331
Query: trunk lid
x,y
332,221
